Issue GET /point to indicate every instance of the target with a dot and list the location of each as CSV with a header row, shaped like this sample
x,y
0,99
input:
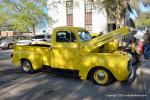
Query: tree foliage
x,y
143,20
3,18
136,4
117,8
26,15
114,8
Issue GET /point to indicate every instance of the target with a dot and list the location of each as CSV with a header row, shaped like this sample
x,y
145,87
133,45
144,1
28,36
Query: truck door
x,y
65,51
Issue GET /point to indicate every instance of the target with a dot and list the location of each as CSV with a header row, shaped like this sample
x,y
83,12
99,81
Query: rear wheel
x,y
102,76
10,46
27,66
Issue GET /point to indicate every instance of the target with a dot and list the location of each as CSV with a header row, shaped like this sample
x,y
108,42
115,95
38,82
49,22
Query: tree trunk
x,y
0,30
120,18
33,29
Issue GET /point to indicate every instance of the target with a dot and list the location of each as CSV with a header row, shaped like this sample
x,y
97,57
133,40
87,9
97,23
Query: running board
x,y
64,72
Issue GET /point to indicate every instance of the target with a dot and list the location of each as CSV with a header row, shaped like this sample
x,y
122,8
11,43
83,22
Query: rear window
x,y
24,38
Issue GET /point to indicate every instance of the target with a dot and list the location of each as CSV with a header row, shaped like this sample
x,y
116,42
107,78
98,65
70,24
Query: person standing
x,y
146,38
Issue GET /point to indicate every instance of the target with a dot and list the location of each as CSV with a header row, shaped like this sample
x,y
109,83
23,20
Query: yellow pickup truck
x,y
73,49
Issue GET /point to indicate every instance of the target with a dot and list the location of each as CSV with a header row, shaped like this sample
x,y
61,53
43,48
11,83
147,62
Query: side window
x,y
64,36
41,36
49,36
16,38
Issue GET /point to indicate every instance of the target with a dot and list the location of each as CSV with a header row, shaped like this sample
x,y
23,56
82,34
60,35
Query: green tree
x,y
3,19
135,4
143,20
117,8
27,15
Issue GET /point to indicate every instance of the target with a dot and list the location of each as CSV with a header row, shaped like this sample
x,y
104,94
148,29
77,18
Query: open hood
x,y
88,46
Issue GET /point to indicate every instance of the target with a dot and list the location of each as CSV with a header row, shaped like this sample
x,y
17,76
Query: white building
x,y
79,13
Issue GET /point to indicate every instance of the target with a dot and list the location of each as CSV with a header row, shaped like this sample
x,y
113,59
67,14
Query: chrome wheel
x,y
132,75
102,76
26,66
10,46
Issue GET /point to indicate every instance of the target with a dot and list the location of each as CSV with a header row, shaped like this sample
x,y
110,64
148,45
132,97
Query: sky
x,y
143,9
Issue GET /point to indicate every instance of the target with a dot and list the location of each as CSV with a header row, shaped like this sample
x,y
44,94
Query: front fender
x,y
117,64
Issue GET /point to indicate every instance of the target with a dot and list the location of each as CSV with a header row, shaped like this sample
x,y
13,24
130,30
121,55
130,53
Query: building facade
x,y
8,33
78,13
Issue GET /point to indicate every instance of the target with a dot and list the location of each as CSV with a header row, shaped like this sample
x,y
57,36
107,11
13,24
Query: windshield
x,y
84,36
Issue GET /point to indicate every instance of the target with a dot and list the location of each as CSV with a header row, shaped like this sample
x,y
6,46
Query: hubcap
x,y
10,46
26,66
101,76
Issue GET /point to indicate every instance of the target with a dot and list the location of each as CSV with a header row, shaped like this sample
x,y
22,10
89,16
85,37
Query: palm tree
x,y
135,4
117,8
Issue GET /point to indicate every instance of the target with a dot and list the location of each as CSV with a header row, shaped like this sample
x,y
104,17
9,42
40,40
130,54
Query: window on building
x,y
64,36
88,5
88,19
111,23
111,27
88,15
69,10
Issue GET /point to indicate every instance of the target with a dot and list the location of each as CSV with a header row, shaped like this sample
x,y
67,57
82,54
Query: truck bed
x,y
39,53
40,45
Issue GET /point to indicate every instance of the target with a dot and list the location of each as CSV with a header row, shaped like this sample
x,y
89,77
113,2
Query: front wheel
x,y
134,58
27,66
101,76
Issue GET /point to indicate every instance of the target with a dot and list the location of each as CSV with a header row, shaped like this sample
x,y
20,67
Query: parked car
x,y
37,39
8,42
24,41
72,50
1,38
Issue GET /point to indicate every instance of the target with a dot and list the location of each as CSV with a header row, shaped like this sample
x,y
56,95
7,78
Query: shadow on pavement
x,y
15,84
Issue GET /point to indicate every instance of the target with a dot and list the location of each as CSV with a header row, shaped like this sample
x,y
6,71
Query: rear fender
x,y
34,57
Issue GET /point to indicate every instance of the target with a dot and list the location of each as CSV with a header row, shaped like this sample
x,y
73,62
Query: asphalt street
x,y
17,85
